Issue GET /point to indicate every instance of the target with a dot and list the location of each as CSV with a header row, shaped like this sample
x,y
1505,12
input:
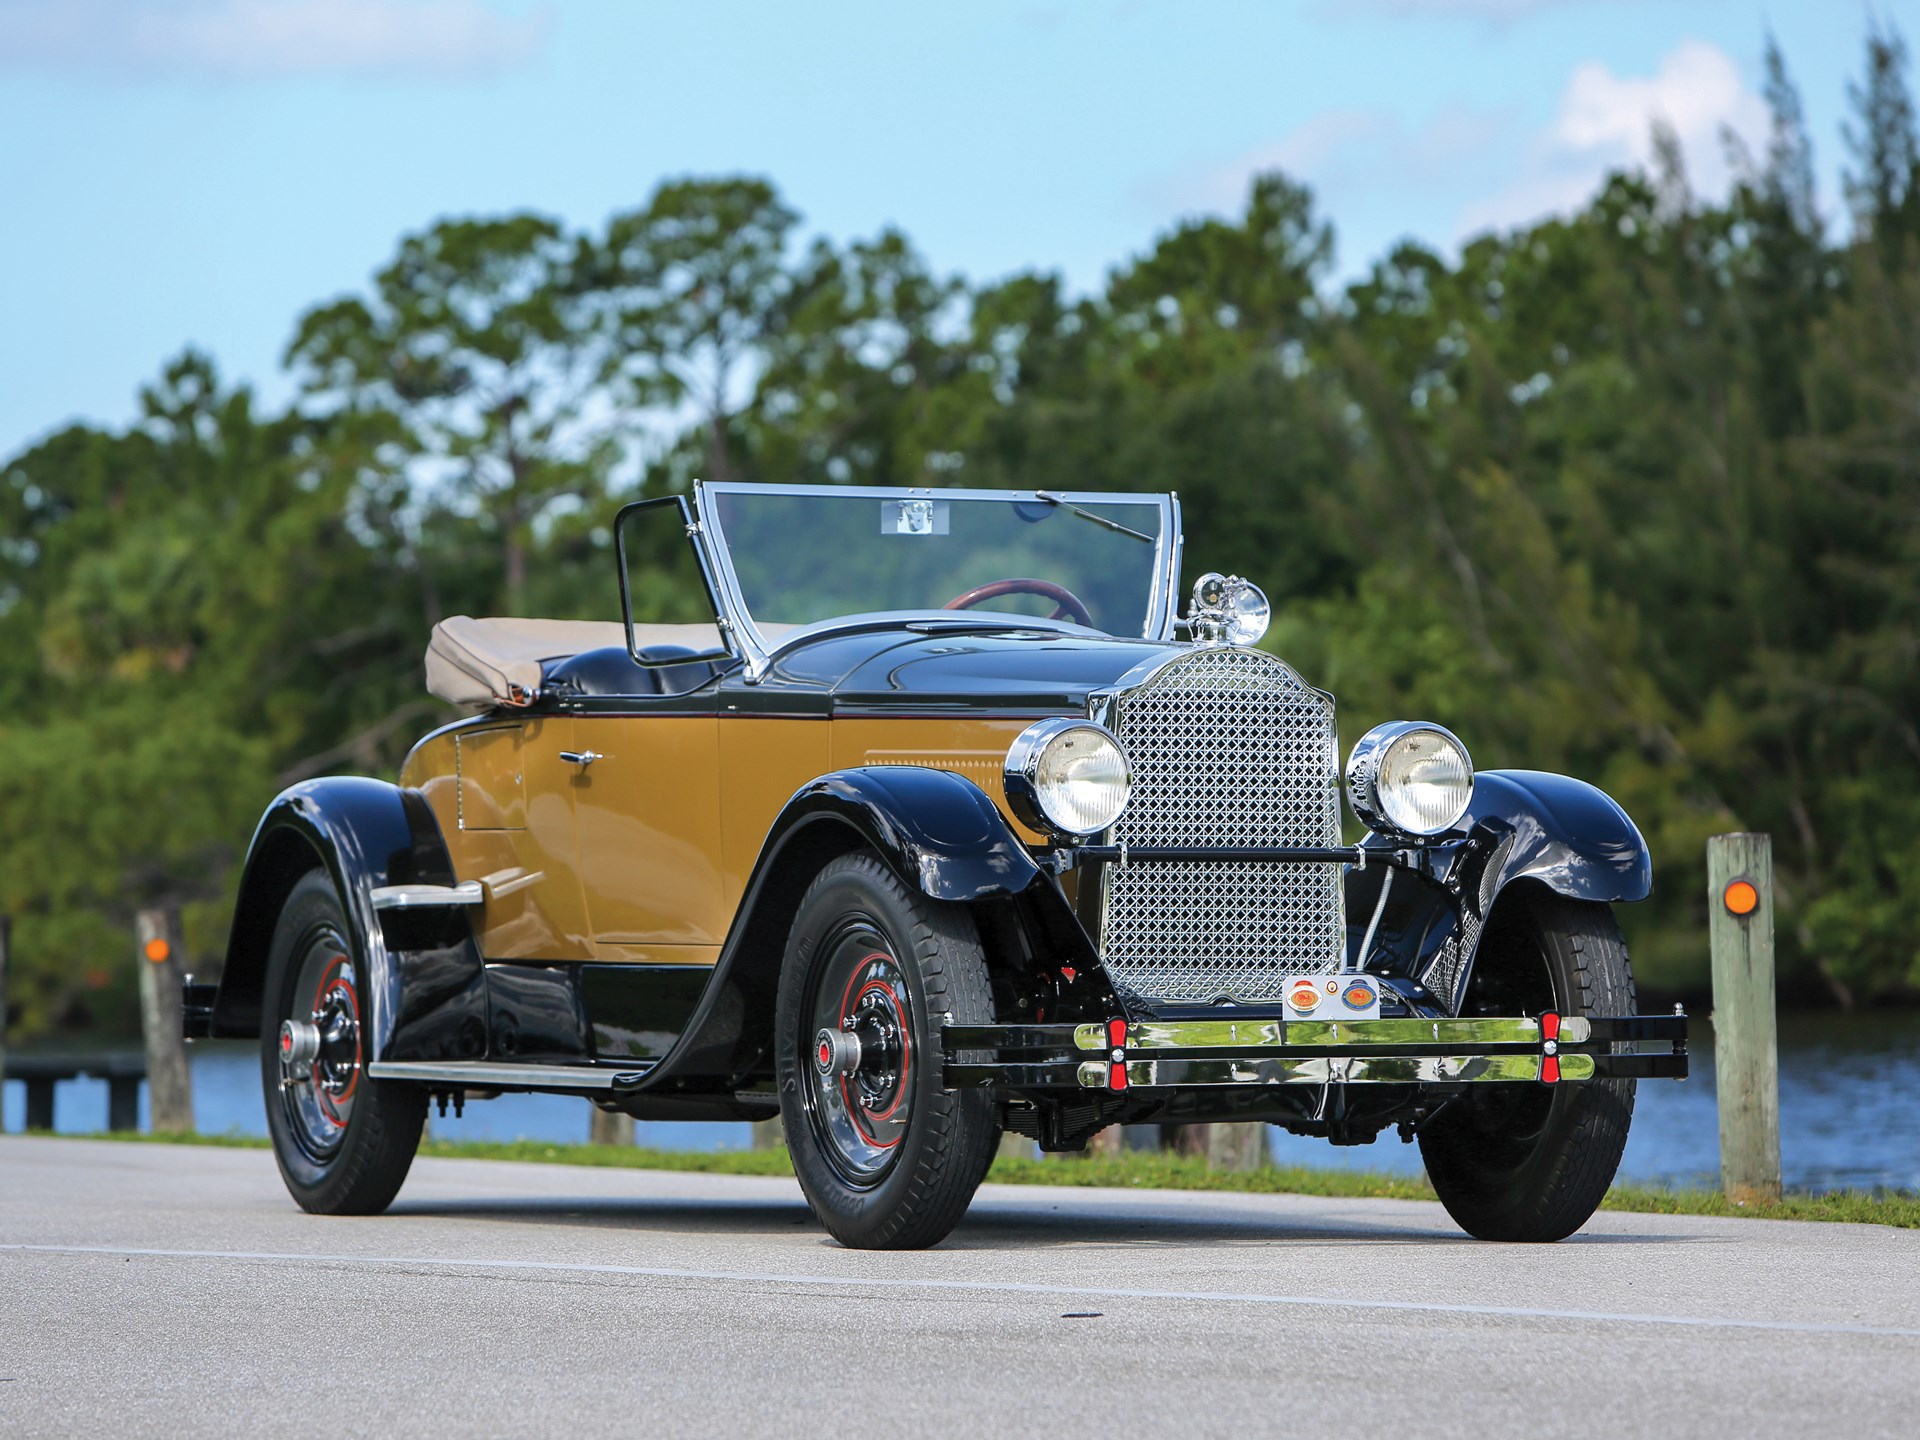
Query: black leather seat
x,y
610,670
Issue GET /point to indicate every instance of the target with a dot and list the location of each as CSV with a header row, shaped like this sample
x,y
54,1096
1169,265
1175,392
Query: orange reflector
x,y
1741,898
157,950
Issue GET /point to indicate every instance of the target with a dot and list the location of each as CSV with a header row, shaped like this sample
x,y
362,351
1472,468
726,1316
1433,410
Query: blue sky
x,y
179,172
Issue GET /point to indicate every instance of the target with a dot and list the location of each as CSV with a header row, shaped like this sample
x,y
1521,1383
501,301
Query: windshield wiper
x,y
1065,504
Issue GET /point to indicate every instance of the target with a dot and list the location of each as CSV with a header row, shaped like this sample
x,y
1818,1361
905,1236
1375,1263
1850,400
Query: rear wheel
x,y
889,1159
1532,1162
344,1142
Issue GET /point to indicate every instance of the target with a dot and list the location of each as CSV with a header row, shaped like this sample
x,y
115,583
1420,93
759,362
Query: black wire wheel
x,y
1532,1162
344,1142
887,1157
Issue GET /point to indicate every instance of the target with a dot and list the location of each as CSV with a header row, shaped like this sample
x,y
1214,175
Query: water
x,y
1849,1112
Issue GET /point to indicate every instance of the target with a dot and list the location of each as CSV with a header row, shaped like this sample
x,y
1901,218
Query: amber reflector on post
x,y
1740,897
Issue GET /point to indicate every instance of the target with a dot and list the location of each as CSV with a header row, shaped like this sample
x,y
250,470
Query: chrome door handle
x,y
582,758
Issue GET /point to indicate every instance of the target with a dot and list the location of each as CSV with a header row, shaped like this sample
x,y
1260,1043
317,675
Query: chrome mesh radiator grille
x,y
1229,747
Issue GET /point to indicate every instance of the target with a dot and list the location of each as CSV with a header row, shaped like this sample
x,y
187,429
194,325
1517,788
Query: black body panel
x,y
903,671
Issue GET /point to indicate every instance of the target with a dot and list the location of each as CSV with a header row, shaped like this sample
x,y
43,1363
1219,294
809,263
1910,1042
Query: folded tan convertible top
x,y
477,664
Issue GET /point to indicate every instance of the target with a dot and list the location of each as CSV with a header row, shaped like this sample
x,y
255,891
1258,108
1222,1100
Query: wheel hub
x,y
860,1078
318,1050
338,1033
876,1028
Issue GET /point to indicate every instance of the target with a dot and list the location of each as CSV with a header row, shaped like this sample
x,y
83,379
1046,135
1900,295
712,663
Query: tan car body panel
x,y
643,856
649,819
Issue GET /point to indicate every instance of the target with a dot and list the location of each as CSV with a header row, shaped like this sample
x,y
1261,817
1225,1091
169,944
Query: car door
x,y
649,826
648,805
515,811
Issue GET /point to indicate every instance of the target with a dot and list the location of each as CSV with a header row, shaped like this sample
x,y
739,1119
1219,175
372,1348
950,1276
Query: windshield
x,y
801,554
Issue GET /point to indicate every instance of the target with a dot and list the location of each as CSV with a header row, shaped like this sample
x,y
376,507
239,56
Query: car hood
x,y
1019,670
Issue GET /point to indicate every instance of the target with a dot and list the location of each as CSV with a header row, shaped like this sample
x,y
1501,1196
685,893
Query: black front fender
x,y
1570,836
1522,826
937,829
364,833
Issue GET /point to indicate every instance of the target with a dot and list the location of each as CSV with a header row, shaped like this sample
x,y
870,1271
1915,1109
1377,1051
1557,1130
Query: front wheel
x,y
889,1159
344,1142
1532,1162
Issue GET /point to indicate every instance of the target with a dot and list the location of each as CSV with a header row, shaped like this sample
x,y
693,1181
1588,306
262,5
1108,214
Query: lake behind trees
x,y
1849,1112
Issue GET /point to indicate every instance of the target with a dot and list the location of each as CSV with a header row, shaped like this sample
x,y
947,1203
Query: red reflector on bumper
x,y
1116,1033
1549,1026
1116,1076
1550,1070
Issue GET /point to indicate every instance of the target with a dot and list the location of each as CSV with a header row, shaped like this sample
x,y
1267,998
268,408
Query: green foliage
x,y
1633,494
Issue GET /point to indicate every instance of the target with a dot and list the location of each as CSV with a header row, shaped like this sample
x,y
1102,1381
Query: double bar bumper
x,y
1182,1054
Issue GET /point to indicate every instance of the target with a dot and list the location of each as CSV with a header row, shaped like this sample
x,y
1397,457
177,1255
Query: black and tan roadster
x,y
942,821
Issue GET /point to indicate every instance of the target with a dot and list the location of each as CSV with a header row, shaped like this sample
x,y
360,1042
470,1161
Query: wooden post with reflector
x,y
162,971
1746,1063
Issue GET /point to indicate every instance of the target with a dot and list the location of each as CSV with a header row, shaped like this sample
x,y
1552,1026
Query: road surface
x,y
176,1291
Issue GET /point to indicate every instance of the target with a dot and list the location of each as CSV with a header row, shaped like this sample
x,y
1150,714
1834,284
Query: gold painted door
x,y
649,824
514,815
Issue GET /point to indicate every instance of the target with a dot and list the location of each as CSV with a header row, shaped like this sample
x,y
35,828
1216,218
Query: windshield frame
x,y
736,620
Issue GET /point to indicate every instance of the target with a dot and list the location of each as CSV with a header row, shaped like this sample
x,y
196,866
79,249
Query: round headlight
x,y
1410,778
1067,777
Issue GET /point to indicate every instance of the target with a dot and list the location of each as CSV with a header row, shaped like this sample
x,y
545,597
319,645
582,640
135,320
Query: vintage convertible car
x,y
927,825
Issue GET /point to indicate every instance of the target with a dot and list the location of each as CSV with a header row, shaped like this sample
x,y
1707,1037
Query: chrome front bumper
x,y
1265,1050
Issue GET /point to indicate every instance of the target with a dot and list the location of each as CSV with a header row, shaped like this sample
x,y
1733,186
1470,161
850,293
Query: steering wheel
x,y
1067,605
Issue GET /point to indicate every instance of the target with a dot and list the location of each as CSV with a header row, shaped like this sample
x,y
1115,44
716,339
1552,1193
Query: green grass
x,y
1134,1170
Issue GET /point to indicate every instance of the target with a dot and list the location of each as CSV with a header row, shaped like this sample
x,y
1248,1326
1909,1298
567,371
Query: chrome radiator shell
x,y
1229,747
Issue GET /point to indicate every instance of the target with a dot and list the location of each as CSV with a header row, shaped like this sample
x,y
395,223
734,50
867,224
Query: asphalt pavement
x,y
177,1291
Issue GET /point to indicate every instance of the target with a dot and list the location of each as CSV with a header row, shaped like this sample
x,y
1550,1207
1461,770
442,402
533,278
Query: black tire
x,y
1532,1162
888,1158
344,1142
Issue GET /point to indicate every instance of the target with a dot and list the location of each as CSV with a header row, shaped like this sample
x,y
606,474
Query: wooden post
x,y
1239,1145
1745,1041
610,1127
1187,1139
162,969
6,935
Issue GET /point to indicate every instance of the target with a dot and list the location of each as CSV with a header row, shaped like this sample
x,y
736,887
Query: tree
x,y
691,288
481,343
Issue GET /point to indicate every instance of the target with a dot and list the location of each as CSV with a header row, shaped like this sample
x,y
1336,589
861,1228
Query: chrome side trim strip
x,y
494,1074
416,897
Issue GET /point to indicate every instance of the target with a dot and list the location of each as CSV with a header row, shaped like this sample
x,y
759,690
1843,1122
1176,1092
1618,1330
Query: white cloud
x,y
1605,122
266,39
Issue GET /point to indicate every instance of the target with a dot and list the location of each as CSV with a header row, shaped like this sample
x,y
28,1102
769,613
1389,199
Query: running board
x,y
419,897
499,1075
